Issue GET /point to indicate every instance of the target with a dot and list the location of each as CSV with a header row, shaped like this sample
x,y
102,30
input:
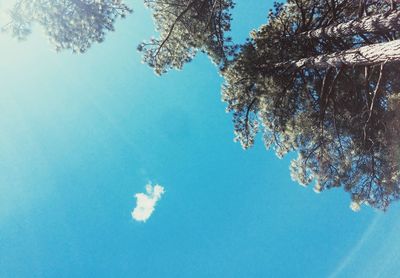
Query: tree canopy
x,y
330,98
69,24
319,78
186,27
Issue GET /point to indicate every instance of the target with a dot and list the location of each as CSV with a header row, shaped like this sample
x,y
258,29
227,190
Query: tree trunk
x,y
367,55
379,23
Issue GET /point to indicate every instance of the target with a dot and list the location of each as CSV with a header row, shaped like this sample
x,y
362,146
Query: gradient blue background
x,y
81,134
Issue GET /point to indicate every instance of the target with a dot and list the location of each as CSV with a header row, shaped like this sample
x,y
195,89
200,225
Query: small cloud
x,y
145,202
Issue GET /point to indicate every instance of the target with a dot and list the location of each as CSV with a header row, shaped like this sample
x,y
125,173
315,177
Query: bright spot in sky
x,y
5,7
145,202
355,206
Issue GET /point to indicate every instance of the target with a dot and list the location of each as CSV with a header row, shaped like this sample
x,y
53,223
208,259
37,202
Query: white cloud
x,y
145,202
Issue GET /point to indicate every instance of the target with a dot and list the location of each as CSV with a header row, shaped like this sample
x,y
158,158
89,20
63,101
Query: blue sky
x,y
81,134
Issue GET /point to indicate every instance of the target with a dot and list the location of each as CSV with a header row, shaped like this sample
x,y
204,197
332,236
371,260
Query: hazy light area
x,y
5,7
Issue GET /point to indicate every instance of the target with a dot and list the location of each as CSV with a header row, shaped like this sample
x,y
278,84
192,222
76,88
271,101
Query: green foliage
x,y
71,24
336,119
186,27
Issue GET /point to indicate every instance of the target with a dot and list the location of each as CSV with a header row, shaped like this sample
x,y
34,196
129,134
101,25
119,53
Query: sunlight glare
x,y
5,6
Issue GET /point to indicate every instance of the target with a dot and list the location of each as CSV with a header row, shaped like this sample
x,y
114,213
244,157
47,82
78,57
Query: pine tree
x,y
186,27
70,24
332,99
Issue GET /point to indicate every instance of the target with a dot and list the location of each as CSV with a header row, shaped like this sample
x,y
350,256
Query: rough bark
x,y
379,23
363,56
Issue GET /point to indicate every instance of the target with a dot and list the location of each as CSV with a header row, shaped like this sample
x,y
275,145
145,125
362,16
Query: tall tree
x,y
69,24
330,98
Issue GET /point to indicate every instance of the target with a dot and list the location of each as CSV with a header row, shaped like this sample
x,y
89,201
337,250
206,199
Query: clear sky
x,y
80,135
